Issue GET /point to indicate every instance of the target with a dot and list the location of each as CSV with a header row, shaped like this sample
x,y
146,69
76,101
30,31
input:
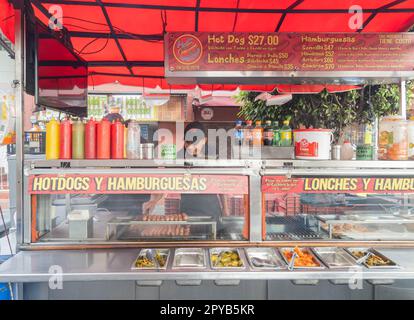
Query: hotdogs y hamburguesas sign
x,y
136,183
197,54
282,184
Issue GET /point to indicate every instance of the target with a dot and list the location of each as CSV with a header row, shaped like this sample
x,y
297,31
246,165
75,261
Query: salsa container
x,y
264,259
307,250
219,251
391,265
335,258
146,252
190,258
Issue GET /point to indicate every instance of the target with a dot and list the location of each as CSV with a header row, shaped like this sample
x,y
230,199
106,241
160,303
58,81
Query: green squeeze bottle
x,y
276,134
286,134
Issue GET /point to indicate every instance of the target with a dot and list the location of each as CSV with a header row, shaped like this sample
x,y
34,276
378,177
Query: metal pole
x,y
19,100
403,100
6,47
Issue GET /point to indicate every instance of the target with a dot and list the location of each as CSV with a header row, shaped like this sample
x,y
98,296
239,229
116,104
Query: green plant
x,y
325,110
410,94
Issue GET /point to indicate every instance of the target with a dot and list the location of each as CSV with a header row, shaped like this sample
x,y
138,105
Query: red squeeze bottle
x,y
65,140
103,139
117,140
90,139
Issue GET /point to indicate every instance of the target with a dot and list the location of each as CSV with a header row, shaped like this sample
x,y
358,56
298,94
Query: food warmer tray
x,y
264,259
361,219
391,265
120,228
189,258
335,258
319,263
218,251
144,253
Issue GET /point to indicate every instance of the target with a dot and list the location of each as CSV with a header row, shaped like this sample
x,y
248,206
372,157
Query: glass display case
x,y
338,205
258,202
133,207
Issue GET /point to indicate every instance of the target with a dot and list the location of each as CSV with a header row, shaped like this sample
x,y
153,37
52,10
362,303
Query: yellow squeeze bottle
x,y
52,140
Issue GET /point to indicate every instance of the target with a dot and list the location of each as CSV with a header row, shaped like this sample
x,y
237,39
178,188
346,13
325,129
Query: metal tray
x,y
190,258
268,256
362,219
315,258
391,265
335,258
218,251
144,252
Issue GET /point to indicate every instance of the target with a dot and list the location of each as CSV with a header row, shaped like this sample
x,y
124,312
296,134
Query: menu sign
x,y
284,52
136,184
282,184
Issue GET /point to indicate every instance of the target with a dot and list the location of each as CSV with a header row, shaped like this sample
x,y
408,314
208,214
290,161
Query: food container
x,y
336,152
226,259
133,140
78,140
52,140
103,139
308,260
162,257
90,139
80,225
387,263
168,152
65,139
117,140
312,144
190,258
393,139
264,259
335,258
147,151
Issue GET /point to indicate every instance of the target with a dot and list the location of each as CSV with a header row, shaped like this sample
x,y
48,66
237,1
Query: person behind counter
x,y
114,113
211,205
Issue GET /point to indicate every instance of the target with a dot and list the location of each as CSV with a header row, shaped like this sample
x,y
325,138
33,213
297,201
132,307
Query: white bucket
x,y
312,144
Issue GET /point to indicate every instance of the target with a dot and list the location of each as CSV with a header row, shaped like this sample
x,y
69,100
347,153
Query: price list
x,y
196,52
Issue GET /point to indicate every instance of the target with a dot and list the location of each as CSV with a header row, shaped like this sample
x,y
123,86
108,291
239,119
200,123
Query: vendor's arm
x,y
149,206
225,207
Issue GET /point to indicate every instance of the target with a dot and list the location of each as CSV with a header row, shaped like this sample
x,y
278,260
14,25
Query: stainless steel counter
x,y
114,264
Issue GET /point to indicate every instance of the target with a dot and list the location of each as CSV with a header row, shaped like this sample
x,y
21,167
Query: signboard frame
x,y
271,77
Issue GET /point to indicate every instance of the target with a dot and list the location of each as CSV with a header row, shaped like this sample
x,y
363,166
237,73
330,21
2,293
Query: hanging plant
x,y
325,110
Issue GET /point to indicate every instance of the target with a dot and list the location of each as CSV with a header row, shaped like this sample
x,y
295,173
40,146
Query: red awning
x,y
123,39
7,19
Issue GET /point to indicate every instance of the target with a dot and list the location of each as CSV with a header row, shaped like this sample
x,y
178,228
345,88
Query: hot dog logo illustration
x,y
187,49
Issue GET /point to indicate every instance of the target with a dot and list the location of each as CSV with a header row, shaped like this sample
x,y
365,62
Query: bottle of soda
x,y
268,133
238,133
286,134
248,134
276,134
258,134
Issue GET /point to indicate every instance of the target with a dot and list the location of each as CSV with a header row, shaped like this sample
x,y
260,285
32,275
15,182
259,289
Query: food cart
x,y
298,228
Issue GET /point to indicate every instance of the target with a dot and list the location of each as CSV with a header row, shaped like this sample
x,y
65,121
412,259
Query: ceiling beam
x,y
197,7
111,28
231,10
127,36
374,14
110,63
282,18
45,12
7,47
124,75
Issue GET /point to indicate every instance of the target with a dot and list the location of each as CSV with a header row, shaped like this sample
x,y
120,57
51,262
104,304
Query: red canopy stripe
x,y
7,19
